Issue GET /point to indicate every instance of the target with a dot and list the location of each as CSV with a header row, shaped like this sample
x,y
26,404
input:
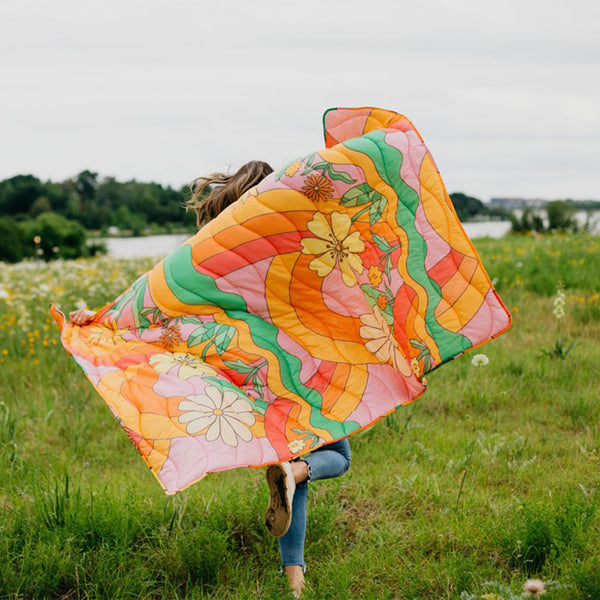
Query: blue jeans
x,y
330,460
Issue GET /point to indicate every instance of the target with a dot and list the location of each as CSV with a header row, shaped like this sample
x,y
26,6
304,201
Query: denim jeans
x,y
330,460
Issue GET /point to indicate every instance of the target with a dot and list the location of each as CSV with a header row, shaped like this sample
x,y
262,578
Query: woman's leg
x,y
291,545
330,460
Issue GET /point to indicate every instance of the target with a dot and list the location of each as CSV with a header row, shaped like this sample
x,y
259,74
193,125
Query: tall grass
x,y
492,477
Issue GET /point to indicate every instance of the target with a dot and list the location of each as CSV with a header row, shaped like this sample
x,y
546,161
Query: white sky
x,y
506,94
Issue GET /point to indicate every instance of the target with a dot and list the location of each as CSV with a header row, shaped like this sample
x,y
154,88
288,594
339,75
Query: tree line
x,y
48,219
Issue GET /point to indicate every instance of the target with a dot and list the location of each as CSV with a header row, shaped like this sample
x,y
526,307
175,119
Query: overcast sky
x,y
506,94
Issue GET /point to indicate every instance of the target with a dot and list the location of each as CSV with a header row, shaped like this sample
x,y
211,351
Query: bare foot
x,y
295,578
300,470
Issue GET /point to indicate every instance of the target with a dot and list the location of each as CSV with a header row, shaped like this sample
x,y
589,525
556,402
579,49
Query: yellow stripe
x,y
352,157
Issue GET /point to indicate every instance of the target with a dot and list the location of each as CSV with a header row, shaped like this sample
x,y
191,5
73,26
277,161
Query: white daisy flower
x,y
187,364
220,414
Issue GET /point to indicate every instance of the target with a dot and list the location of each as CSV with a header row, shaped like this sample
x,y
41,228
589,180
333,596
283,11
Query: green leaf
x,y
239,366
339,175
377,207
258,385
370,291
418,344
388,267
357,196
201,334
381,242
223,336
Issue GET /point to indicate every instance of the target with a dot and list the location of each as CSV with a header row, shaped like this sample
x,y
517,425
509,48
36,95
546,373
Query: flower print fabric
x,y
304,312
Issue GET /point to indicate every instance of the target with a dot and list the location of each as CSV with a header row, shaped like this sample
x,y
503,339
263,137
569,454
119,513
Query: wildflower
x,y
559,302
37,239
55,249
534,586
480,360
81,304
519,265
3,293
317,187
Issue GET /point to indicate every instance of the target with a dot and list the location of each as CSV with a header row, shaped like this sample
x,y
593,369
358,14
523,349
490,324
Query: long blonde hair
x,y
210,194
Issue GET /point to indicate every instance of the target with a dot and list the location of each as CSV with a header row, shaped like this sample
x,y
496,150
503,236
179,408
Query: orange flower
x,y
382,301
374,275
317,187
170,336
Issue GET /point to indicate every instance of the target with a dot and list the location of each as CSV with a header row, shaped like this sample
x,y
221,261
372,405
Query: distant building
x,y
515,203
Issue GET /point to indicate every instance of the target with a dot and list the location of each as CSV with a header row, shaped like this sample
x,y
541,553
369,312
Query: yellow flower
x,y
292,168
381,342
374,275
296,446
333,245
416,367
187,364
102,335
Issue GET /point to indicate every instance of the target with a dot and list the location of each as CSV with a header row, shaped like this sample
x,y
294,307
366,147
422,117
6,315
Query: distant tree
x,y
18,193
12,246
561,216
467,206
60,237
41,205
529,221
86,184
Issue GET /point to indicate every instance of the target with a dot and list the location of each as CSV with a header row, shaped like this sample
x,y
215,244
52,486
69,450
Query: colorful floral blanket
x,y
310,308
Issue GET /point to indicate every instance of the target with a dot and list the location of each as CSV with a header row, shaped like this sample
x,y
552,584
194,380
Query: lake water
x,y
158,245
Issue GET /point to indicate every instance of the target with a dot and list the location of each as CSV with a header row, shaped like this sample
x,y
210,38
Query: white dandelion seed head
x,y
480,360
534,586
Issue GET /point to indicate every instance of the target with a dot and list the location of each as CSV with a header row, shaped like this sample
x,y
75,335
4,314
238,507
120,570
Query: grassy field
x,y
489,479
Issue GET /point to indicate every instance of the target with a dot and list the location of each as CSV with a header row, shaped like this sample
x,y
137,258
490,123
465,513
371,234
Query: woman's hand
x,y
82,316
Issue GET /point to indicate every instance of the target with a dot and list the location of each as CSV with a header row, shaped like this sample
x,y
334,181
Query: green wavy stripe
x,y
192,287
388,161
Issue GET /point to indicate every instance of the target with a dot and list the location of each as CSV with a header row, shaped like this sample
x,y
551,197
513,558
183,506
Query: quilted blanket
x,y
307,310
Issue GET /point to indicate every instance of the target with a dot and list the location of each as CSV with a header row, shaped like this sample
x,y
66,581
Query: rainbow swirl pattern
x,y
307,310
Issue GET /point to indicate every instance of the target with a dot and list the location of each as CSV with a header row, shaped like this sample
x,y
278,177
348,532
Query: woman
x,y
288,482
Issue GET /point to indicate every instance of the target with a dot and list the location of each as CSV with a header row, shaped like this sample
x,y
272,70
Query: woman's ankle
x,y
300,470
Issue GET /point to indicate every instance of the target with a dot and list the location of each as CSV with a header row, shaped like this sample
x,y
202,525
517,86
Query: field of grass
x,y
491,478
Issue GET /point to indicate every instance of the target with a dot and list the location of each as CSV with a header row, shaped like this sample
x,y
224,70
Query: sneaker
x,y
280,480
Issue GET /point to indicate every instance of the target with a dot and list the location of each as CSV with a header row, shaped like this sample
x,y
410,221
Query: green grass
x,y
489,479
